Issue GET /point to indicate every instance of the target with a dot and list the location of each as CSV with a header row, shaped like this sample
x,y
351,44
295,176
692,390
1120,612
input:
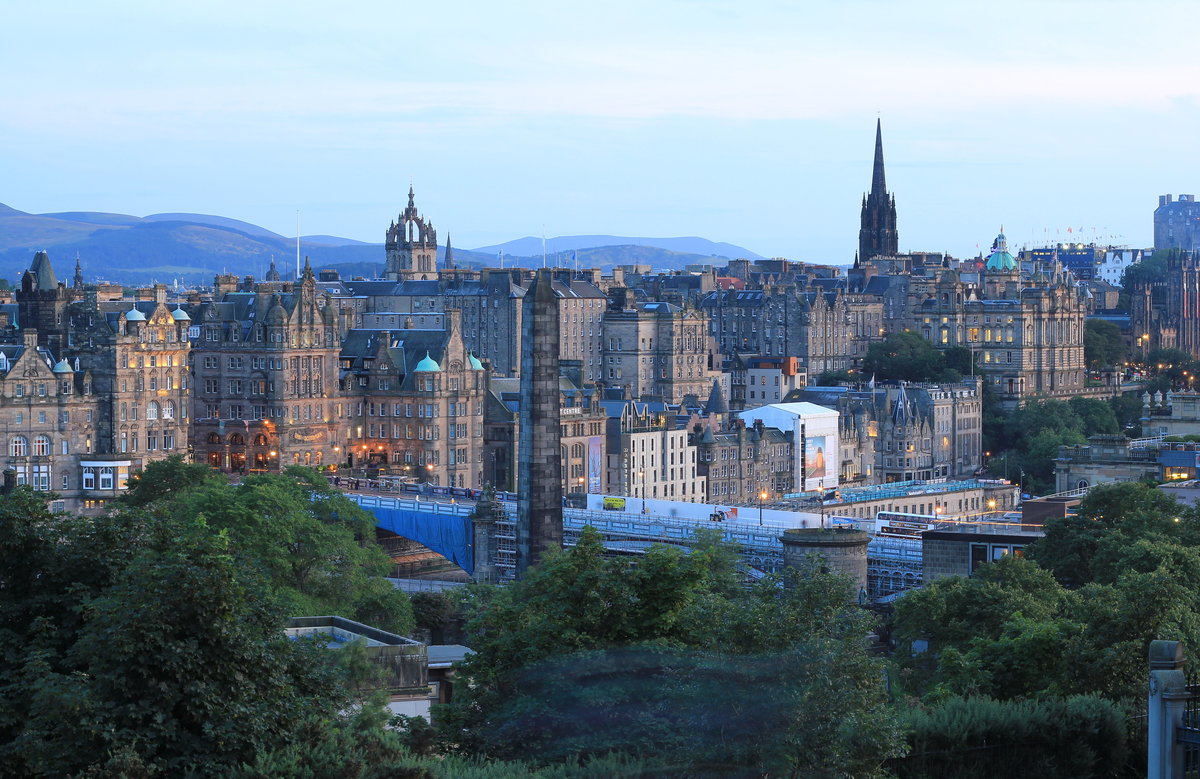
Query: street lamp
x,y
761,497
642,484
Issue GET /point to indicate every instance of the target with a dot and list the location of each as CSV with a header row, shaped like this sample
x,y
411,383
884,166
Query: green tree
x,y
1103,344
905,356
667,656
135,643
316,547
165,479
1071,543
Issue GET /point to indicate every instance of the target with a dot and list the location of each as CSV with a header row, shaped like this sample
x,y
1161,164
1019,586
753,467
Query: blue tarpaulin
x,y
449,535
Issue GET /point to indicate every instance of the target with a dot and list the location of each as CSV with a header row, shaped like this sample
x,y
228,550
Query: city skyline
x,y
752,126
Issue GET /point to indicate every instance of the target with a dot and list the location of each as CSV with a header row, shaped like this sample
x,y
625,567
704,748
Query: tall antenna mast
x,y
297,244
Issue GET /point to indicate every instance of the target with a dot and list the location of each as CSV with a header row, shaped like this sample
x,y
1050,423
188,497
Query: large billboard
x,y
816,456
595,464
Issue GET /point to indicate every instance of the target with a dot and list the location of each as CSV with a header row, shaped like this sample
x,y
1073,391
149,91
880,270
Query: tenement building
x,y
95,393
412,402
266,377
656,350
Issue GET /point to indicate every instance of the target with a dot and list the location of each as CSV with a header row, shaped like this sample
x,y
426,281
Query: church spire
x,y
877,235
878,182
448,262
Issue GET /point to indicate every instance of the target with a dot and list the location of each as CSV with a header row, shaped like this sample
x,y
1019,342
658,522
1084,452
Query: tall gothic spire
x,y
877,234
448,262
878,182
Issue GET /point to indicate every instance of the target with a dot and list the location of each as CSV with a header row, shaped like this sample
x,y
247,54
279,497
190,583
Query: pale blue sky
x,y
747,122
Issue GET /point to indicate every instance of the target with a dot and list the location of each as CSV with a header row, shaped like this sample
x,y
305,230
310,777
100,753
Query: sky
x,y
747,122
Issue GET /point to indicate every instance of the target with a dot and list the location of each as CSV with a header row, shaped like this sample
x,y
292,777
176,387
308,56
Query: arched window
x,y
18,446
168,409
260,440
152,410
236,439
213,438
41,445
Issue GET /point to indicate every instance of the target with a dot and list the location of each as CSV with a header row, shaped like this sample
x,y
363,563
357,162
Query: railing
x,y
1146,443
426,506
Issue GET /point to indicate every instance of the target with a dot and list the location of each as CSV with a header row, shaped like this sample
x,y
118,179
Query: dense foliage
x,y
669,658
908,356
149,641
1103,344
1062,634
1025,441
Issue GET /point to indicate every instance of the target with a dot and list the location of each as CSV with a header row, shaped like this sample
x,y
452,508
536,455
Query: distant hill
x,y
532,247
194,247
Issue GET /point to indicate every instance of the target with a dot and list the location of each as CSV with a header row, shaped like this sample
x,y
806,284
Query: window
x,y
41,446
18,446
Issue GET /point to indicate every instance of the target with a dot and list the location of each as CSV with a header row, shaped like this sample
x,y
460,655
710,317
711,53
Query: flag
x,y
1068,229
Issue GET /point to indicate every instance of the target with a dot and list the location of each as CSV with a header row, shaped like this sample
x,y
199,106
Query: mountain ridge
x,y
193,247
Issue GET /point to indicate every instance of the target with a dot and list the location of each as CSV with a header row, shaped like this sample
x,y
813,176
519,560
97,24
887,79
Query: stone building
x,y
413,402
905,432
740,462
755,380
650,455
265,364
656,350
1177,223
1104,459
1026,333
1165,313
411,245
97,395
825,327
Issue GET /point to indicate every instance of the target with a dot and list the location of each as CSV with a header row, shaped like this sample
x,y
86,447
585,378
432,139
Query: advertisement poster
x,y
614,504
595,464
815,451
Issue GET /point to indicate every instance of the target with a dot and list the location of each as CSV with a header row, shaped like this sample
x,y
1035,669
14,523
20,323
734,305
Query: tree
x,y
141,643
1103,344
166,479
316,547
1071,543
588,656
905,356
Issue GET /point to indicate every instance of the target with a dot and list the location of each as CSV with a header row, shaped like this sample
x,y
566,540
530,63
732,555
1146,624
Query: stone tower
x,y
877,235
411,246
42,302
540,518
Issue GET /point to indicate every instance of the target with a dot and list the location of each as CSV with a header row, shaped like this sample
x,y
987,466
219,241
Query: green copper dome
x,y
428,364
476,365
1000,261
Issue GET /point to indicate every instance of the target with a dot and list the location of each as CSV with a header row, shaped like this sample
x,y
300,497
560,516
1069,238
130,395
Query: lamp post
x,y
762,495
642,484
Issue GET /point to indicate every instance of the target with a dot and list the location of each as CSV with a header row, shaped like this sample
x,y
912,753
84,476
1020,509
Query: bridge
x,y
447,529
